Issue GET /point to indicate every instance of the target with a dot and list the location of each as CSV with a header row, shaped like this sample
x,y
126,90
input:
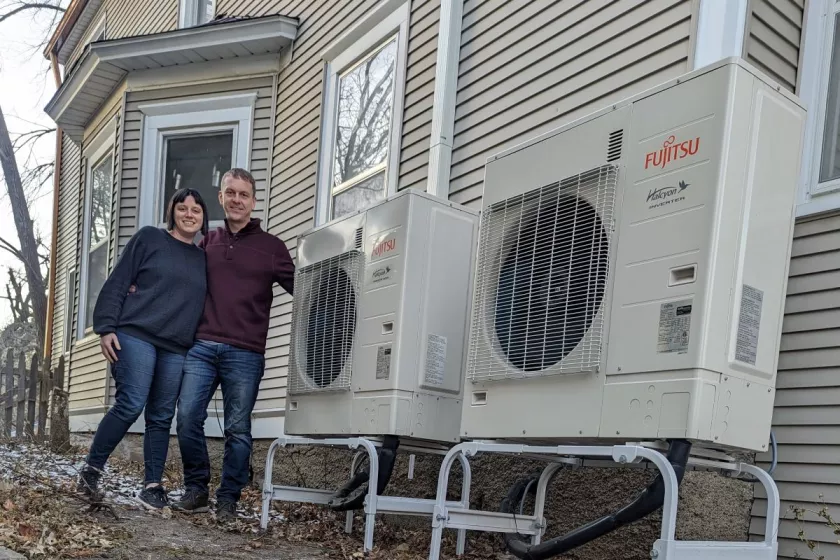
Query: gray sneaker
x,y
153,498
226,511
88,484
194,501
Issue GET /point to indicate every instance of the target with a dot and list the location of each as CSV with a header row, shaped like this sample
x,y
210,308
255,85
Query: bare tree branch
x,y
24,6
25,229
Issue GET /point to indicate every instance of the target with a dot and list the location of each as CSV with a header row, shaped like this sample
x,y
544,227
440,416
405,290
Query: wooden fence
x,y
31,398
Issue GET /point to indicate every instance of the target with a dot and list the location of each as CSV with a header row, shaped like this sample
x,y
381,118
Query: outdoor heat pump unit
x,y
380,321
632,268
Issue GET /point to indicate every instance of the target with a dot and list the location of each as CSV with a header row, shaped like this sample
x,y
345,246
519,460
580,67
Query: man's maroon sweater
x,y
242,267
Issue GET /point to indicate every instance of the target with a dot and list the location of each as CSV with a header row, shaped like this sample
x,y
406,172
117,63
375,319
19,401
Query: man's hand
x,y
109,344
132,289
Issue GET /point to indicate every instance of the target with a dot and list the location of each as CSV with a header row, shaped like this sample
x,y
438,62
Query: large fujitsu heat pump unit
x,y
632,269
381,319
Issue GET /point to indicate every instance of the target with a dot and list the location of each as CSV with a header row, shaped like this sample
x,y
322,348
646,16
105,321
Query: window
x,y
192,144
362,115
97,224
197,161
69,292
829,168
195,12
820,90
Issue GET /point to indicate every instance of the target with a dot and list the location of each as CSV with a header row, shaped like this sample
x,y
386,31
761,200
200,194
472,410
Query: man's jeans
x,y
208,365
145,376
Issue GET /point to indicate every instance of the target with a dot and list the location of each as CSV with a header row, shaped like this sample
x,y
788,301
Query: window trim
x,y
187,12
69,301
94,153
816,61
389,19
206,114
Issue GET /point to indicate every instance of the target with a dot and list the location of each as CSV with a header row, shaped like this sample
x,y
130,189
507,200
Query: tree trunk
x,y
23,224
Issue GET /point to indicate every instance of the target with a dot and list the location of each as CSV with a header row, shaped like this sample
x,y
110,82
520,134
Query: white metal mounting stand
x,y
666,548
373,503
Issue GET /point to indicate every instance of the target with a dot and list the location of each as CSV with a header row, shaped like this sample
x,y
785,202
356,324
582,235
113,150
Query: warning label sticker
x,y
674,327
383,362
746,347
435,360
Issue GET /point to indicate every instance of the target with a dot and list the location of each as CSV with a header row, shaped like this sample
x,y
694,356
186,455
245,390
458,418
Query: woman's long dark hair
x,y
179,197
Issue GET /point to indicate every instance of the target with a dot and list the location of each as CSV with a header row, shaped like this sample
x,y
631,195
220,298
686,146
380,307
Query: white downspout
x,y
721,30
446,88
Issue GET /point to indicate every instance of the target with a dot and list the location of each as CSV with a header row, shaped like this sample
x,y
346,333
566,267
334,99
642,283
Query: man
x,y
243,263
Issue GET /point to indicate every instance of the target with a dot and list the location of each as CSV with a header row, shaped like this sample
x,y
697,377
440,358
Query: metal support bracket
x,y
374,503
665,548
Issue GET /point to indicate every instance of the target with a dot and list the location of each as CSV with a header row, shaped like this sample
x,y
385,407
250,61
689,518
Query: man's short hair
x,y
242,175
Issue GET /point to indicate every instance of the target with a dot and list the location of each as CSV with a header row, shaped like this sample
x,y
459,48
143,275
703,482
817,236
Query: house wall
x,y
88,376
807,414
773,39
129,18
69,185
528,67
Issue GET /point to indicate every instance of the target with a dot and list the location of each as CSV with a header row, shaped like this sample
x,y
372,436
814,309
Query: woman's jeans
x,y
145,376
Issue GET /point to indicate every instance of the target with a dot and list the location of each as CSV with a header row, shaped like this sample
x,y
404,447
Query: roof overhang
x,y
106,64
65,26
66,43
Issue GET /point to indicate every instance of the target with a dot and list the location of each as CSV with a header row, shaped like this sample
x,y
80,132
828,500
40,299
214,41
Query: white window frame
x,y
390,18
815,197
179,118
94,153
187,12
69,299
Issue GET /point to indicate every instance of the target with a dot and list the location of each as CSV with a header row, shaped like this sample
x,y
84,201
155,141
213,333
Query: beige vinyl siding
x,y
528,67
129,18
419,94
807,414
88,371
69,186
774,37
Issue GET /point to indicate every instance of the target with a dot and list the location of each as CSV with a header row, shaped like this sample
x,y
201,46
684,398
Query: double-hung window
x,y
820,90
99,183
362,114
191,144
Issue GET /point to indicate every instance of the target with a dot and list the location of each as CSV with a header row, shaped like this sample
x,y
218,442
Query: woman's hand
x,y
109,344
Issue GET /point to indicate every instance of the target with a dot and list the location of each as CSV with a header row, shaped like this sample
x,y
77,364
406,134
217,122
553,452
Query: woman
x,y
145,336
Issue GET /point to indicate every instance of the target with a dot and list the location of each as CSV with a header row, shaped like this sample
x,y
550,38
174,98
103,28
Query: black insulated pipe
x,y
351,496
647,502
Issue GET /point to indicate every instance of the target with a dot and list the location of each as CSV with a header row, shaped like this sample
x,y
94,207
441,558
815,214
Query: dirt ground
x,y
153,537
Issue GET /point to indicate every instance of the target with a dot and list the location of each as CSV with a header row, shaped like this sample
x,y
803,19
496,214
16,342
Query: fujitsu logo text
x,y
384,247
671,151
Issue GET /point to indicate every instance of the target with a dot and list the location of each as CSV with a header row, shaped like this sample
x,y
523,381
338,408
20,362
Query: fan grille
x,y
324,324
542,272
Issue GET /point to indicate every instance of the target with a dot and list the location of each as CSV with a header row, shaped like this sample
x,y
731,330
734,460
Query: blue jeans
x,y
148,377
239,372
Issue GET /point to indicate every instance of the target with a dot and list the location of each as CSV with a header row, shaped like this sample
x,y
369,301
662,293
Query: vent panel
x,y
543,266
614,145
324,324
360,237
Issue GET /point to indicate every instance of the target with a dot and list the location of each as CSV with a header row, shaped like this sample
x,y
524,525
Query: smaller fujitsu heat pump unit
x,y
380,321
632,268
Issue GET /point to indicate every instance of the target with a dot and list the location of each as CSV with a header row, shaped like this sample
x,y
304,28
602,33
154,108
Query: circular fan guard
x,y
551,283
